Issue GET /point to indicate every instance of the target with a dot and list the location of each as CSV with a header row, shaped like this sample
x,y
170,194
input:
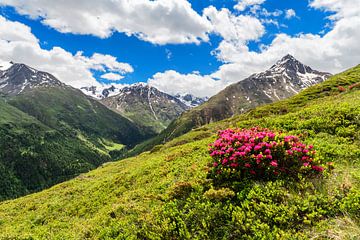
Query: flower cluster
x,y
355,85
260,153
341,89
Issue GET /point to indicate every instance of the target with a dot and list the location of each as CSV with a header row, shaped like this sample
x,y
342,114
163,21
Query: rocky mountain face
x,y
100,92
20,77
146,106
105,92
191,100
285,78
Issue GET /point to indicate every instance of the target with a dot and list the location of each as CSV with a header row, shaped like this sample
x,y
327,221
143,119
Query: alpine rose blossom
x,y
262,154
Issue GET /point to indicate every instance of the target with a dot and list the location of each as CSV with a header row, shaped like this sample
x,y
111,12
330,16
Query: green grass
x,y
52,134
163,194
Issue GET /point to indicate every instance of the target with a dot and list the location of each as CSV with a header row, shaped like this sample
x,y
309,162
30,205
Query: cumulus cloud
x,y
290,13
160,22
112,76
333,52
230,27
243,4
18,44
174,83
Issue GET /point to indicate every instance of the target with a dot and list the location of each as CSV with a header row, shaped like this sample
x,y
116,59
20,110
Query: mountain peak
x,y
291,63
19,77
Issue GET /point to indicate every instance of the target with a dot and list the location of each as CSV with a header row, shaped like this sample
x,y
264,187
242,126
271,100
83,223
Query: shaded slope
x,y
50,132
34,156
134,198
67,109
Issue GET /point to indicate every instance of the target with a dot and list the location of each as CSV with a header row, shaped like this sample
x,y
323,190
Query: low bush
x,y
261,154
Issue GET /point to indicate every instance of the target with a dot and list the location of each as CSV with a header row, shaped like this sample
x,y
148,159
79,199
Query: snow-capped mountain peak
x,y
18,77
106,92
191,100
292,74
5,65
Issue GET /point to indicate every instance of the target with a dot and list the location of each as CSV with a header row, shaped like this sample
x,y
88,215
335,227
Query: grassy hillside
x,y
67,109
165,194
58,134
34,156
193,118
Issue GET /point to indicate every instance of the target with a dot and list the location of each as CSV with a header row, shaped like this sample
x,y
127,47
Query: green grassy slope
x,y
55,133
161,194
67,109
34,156
191,119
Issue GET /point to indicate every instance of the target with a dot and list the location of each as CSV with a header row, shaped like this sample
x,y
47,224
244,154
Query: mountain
x,y
104,92
146,106
285,78
100,92
20,77
191,100
77,132
165,193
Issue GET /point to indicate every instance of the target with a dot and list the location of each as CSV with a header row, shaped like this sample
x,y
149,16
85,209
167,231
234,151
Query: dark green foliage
x,y
63,136
67,109
32,156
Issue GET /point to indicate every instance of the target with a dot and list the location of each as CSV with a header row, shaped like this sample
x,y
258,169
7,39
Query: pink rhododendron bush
x,y
261,154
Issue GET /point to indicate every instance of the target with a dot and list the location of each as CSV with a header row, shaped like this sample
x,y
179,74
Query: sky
x,y
178,46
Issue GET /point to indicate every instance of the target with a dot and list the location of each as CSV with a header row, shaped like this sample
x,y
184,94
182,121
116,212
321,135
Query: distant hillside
x,y
68,132
34,156
164,194
284,79
146,106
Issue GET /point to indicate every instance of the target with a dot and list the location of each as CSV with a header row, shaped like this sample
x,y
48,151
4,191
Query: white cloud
x,y
160,22
15,31
18,44
290,13
336,51
173,83
239,28
333,52
112,76
243,4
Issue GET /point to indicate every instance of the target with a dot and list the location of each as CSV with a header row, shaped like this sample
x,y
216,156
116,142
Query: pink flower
x,y
267,151
318,168
247,165
257,147
306,164
274,163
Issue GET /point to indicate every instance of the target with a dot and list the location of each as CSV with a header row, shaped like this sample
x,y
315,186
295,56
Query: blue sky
x,y
149,58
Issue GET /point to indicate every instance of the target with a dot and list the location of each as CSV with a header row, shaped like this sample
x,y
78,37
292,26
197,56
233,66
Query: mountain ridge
x,y
284,79
146,105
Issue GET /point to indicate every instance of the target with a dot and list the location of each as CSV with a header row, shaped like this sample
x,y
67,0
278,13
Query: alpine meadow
x,y
179,119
